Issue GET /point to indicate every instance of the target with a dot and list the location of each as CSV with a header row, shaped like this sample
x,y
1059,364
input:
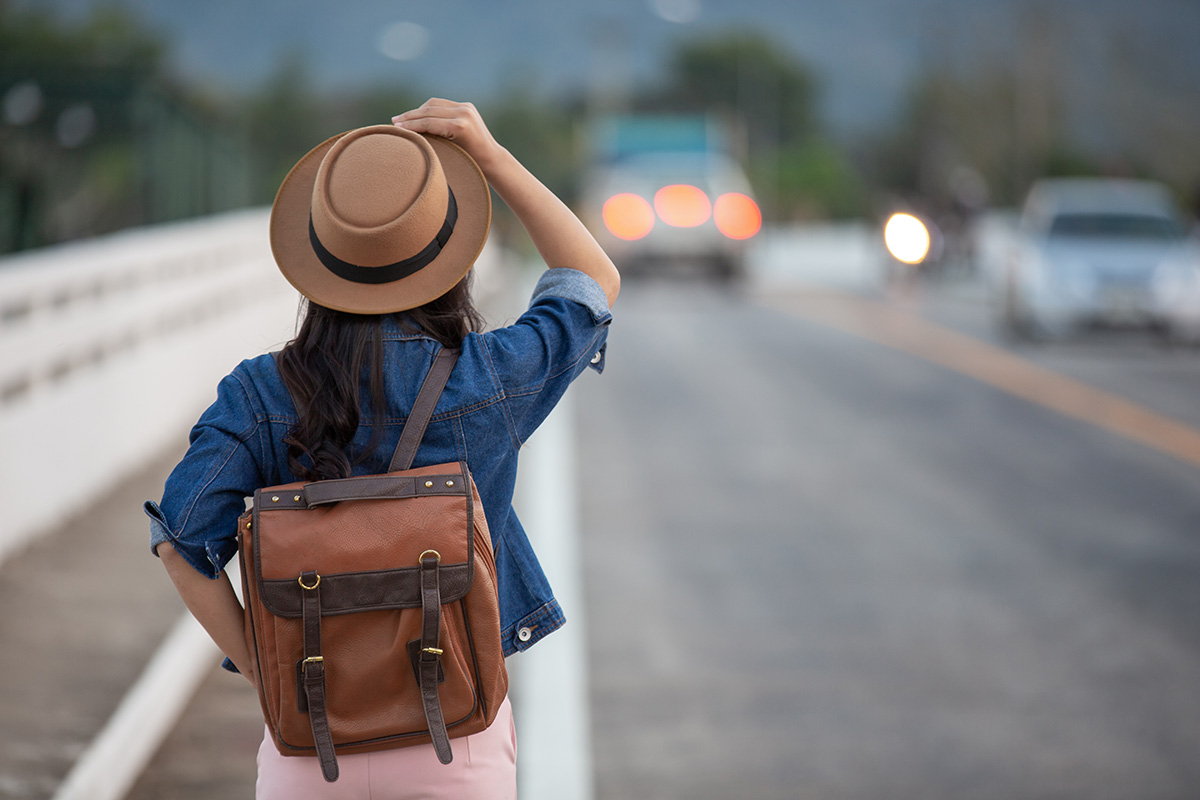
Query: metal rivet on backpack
x,y
275,499
449,483
247,524
428,484
296,498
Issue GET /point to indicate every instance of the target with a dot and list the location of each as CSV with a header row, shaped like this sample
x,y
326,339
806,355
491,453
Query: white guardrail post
x,y
551,686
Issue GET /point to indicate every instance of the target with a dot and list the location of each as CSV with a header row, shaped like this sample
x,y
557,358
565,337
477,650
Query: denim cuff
x,y
198,558
574,285
532,628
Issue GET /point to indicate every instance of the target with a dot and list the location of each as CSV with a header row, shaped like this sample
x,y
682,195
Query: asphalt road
x,y
819,564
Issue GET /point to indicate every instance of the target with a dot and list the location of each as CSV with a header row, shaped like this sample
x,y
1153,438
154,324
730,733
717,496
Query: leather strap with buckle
x,y
430,655
313,670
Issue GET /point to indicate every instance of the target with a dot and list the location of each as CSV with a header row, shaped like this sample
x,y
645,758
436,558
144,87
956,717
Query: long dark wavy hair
x,y
334,356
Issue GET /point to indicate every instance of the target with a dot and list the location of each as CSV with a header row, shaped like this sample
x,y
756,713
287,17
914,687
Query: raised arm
x,y
559,236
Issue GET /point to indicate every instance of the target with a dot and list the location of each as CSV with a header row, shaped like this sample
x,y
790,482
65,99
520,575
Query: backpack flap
x,y
366,546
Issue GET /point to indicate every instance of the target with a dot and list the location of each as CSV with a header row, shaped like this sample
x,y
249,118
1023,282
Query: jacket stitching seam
x,y
239,439
257,418
228,456
568,367
445,415
532,390
504,395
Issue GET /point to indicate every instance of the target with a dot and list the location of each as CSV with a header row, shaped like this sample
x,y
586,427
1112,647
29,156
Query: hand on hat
x,y
556,232
459,122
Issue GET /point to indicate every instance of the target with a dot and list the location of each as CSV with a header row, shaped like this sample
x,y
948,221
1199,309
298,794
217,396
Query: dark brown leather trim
x,y
475,674
366,487
422,410
467,481
313,670
429,662
352,592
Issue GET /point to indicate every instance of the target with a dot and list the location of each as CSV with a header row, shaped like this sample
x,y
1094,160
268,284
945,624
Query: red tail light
x,y
628,216
737,216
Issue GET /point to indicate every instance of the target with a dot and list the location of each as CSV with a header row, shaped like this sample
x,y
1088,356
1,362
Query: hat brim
x,y
300,266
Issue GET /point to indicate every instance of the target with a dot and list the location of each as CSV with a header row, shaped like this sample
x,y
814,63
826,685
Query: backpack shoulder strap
x,y
422,410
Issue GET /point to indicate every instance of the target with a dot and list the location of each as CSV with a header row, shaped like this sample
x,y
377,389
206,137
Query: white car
x,y
1095,251
654,210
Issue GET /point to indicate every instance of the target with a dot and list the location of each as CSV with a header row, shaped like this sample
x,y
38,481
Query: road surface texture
x,y
819,566
86,607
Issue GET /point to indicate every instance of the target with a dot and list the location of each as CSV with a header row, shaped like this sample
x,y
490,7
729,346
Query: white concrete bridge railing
x,y
110,348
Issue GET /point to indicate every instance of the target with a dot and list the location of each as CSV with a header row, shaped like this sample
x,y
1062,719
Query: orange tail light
x,y
682,206
628,216
737,216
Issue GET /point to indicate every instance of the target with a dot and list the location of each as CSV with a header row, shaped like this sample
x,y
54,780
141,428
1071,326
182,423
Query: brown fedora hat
x,y
380,219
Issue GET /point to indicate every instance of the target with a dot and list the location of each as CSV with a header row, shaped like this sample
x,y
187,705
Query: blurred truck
x,y
665,193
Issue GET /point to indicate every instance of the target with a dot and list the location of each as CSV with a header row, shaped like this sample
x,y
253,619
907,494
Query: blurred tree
x,y
1036,108
94,137
972,120
948,122
63,93
814,178
746,76
377,105
283,121
109,38
286,117
542,136
771,97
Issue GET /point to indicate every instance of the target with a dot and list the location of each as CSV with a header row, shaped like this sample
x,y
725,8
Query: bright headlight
x,y
907,238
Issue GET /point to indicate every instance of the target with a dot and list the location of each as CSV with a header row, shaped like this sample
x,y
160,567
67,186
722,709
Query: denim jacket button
x,y
596,358
524,634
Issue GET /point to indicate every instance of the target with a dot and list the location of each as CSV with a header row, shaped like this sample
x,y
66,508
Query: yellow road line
x,y
902,330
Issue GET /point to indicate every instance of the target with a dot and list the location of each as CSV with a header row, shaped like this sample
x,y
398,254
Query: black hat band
x,y
389,272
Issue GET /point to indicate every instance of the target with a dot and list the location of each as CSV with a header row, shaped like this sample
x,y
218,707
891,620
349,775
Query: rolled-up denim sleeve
x,y
205,493
564,331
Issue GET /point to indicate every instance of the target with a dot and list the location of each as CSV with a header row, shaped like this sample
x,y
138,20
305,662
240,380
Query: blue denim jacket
x,y
505,383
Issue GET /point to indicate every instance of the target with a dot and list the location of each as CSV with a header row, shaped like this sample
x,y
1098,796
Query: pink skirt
x,y
484,768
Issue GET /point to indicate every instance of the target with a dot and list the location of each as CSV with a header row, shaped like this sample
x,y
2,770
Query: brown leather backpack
x,y
371,605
